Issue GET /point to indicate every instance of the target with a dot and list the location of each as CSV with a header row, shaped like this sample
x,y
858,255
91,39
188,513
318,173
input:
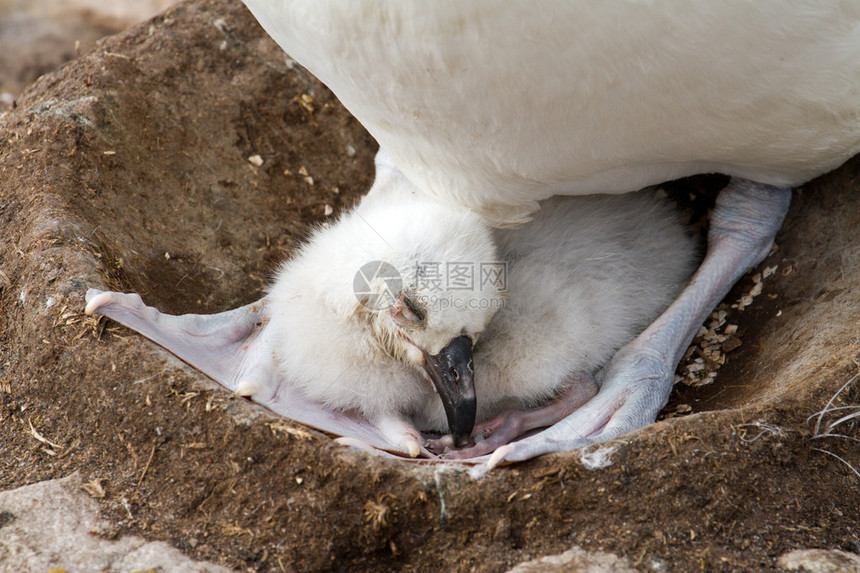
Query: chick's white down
x,y
350,355
583,278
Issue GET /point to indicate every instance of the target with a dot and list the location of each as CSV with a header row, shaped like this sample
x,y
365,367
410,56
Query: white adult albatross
x,y
497,105
494,106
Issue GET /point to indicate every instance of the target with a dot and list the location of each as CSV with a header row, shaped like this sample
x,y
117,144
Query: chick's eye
x,y
416,309
408,312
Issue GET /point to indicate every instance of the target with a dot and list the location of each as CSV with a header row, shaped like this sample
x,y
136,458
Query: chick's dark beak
x,y
451,374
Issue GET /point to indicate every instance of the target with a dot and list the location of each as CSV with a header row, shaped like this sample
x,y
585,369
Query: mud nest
x,y
182,160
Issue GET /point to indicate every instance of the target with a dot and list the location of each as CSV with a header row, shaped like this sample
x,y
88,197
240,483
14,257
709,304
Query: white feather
x,y
349,357
497,105
583,279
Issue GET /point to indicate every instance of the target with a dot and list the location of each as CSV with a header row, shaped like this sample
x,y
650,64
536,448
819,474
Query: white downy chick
x,y
354,321
355,326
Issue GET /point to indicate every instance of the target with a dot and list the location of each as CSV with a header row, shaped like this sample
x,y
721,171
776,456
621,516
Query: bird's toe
x,y
247,388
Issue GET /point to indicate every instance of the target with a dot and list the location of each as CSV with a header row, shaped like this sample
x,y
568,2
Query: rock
x,y
54,526
820,561
576,560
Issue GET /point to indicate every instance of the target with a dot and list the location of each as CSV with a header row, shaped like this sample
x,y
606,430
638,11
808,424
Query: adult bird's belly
x,y
498,105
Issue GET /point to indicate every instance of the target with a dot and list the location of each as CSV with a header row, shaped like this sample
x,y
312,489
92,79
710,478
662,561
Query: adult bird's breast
x,y
498,105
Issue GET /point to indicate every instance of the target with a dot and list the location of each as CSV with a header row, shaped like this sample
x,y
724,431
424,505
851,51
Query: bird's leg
x,y
401,432
230,347
235,348
638,380
511,424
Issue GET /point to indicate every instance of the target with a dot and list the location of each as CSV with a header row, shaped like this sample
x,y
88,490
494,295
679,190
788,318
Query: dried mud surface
x,y
129,169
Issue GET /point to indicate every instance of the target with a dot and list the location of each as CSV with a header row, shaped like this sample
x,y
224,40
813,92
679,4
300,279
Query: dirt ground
x,y
128,168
